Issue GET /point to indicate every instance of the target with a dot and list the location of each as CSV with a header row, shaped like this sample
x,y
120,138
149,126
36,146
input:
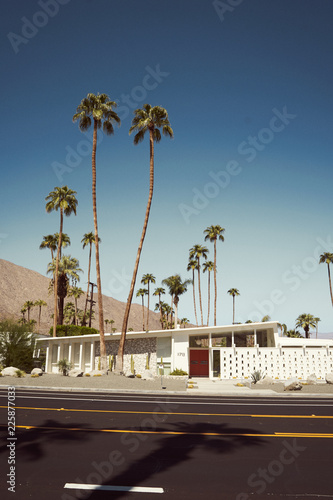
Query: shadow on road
x,y
31,442
171,451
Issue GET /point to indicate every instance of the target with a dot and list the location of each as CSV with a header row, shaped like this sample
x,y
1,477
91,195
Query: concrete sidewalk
x,y
224,388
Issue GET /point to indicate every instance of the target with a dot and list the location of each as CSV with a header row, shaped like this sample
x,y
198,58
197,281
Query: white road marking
x,y
168,402
130,489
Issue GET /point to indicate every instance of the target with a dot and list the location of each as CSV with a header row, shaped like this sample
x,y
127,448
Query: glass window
x,y
216,364
221,339
200,341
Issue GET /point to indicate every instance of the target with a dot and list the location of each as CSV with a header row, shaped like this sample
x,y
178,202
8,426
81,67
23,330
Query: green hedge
x,y
72,330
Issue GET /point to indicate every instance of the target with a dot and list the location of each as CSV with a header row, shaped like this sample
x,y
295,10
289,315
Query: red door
x,y
199,364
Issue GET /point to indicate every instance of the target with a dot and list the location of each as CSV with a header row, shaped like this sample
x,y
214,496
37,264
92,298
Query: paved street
x,y
138,446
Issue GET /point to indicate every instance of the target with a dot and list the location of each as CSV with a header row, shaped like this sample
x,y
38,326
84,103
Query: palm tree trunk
x,y
199,287
143,315
208,298
159,302
55,281
39,315
98,272
233,309
329,280
195,307
215,284
176,312
86,304
121,349
148,309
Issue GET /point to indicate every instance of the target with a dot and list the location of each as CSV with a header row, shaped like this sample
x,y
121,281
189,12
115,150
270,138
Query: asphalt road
x,y
166,447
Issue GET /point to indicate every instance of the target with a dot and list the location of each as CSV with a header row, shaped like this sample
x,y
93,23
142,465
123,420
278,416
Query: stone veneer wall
x,y
139,348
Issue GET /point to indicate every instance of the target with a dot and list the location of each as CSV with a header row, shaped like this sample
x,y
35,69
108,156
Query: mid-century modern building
x,y
226,352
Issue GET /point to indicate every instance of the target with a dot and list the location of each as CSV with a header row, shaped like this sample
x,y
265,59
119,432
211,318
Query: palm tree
x,y
317,321
306,321
75,292
193,265
159,291
212,234
327,258
68,267
196,252
208,266
233,292
99,109
23,311
146,119
50,242
28,305
184,321
265,319
294,334
40,303
176,288
141,293
88,239
63,199
146,279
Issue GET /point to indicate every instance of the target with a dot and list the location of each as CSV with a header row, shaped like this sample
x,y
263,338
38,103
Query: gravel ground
x,y
110,381
320,388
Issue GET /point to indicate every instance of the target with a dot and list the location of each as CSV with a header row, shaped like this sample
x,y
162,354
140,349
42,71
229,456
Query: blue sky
x,y
248,92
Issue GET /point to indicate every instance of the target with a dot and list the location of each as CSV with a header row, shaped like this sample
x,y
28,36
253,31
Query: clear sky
x,y
248,88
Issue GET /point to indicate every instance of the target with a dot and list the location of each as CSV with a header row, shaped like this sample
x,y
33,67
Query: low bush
x,y
16,345
20,373
72,330
179,372
257,375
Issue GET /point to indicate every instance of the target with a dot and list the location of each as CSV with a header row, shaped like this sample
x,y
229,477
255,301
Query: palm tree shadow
x,y
172,450
31,442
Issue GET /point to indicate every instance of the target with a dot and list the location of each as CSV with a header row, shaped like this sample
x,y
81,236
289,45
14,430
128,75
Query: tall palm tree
x,y
141,293
233,292
88,239
208,266
317,321
327,258
193,265
50,242
213,233
68,267
196,252
160,291
63,199
99,110
176,288
146,280
75,292
149,119
28,305
306,321
184,322
39,303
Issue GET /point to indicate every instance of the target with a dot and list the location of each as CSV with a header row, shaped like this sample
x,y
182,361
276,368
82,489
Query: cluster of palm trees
x,y
305,321
26,308
99,111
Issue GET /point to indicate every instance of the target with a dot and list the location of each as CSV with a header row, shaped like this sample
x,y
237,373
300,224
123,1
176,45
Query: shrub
x,y
87,374
20,373
257,375
138,375
179,372
64,366
16,345
72,330
34,375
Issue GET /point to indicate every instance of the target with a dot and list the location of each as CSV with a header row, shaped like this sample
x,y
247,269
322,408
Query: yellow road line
x,y
172,413
181,433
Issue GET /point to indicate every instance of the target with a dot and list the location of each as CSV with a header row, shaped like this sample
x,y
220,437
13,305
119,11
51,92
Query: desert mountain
x,y
19,284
